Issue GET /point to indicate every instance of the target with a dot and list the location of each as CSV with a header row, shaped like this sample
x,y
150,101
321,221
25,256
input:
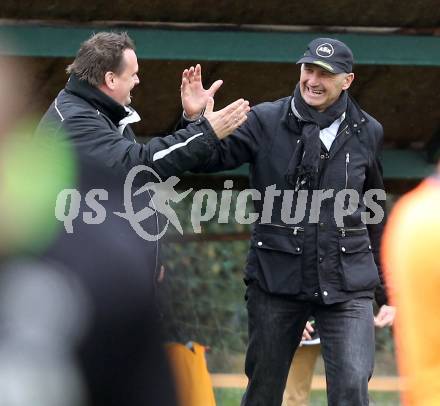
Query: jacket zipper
x,y
347,161
342,130
295,229
345,230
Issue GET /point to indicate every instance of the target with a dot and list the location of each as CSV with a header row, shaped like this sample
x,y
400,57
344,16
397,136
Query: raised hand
x,y
194,96
226,120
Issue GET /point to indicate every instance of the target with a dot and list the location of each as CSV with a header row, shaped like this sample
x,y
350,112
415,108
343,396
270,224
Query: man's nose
x,y
313,79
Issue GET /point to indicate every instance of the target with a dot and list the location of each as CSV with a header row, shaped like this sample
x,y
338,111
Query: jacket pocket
x,y
279,261
359,271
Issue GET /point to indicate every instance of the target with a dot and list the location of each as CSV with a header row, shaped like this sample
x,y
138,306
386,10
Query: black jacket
x,y
90,119
122,345
342,261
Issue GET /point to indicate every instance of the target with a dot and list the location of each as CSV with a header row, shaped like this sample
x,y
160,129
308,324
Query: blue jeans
x,y
275,327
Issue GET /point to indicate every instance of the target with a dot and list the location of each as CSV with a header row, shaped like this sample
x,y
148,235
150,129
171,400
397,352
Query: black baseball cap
x,y
330,54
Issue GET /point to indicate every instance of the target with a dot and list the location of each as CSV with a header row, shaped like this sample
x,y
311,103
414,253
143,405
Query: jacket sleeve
x,y
238,148
170,155
374,180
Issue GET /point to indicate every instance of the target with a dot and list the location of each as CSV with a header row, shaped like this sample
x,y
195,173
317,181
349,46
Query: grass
x,y
232,397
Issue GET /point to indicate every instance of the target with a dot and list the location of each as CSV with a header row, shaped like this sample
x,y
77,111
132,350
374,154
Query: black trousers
x,y
275,328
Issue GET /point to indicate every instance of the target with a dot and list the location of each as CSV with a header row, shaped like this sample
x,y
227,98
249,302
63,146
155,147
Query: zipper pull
x,y
343,232
295,230
347,160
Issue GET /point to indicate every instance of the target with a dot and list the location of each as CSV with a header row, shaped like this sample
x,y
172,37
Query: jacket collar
x,y
288,118
354,120
132,117
99,100
354,117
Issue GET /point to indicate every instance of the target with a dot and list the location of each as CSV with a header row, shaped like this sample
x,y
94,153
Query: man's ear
x,y
348,80
109,80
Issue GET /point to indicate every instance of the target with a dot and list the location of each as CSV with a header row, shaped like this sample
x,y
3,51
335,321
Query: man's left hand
x,y
385,316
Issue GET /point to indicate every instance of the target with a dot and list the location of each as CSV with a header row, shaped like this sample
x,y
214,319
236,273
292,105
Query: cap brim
x,y
322,64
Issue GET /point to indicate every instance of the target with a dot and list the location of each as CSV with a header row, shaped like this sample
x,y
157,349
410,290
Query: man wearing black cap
x,y
311,253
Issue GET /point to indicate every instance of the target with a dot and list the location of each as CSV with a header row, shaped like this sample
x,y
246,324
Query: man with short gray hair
x,y
317,143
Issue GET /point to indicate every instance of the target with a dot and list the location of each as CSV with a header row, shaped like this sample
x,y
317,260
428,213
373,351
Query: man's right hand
x,y
308,330
226,120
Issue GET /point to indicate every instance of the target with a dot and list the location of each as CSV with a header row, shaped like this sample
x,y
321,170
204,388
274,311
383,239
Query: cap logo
x,y
325,50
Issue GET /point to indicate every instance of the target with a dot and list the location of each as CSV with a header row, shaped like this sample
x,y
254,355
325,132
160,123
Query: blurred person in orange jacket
x,y
411,259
